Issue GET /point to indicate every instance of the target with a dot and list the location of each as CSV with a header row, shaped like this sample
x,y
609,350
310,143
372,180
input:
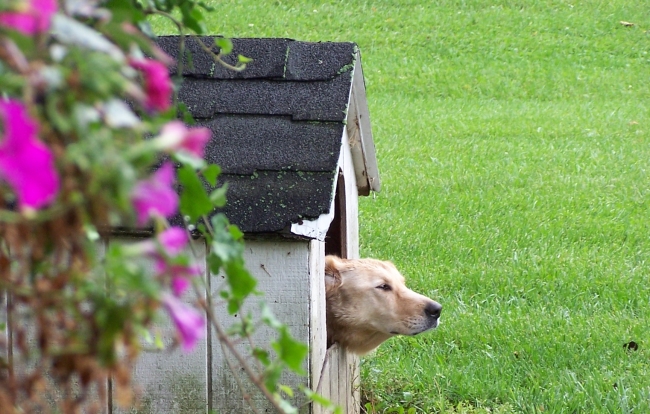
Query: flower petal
x,y
155,196
157,83
25,162
189,323
173,240
179,285
175,136
36,18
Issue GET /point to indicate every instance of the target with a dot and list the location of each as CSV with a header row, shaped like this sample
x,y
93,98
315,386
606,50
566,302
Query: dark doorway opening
x,y
336,238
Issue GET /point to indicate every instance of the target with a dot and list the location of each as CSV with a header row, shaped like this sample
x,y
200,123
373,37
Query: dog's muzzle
x,y
433,310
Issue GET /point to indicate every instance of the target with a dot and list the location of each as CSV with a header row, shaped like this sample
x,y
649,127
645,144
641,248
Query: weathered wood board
x,y
282,269
172,381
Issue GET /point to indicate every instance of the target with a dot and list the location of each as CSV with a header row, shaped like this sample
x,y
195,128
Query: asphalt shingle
x,y
277,126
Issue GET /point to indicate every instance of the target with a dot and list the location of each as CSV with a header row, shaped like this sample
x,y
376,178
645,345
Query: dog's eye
x,y
384,287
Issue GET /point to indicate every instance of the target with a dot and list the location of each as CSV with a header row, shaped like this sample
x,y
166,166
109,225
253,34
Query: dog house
x,y
292,136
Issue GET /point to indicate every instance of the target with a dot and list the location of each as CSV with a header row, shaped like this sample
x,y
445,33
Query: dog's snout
x,y
433,309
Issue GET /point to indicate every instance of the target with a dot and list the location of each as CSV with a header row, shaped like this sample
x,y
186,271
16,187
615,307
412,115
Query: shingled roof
x,y
277,126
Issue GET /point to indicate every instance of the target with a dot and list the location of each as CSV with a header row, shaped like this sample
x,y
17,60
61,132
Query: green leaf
x,y
285,405
192,18
225,248
286,389
290,351
125,10
224,244
211,173
190,160
224,44
269,318
214,263
235,232
194,199
272,374
241,282
234,305
218,196
262,355
184,112
158,341
243,59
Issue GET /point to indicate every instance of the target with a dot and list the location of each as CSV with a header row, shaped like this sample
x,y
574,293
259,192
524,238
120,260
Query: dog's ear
x,y
333,266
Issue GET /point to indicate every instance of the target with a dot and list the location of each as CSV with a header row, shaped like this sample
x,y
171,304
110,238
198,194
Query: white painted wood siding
x,y
282,269
171,381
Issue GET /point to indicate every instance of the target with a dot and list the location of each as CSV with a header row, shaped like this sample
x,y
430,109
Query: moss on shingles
x,y
346,68
286,61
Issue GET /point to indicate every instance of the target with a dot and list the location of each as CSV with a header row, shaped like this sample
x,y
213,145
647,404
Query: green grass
x,y
513,140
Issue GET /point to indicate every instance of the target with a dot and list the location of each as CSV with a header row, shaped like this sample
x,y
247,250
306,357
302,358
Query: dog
x,y
367,302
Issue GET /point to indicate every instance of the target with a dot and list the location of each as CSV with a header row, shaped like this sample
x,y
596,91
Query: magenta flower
x,y
157,83
33,17
181,276
175,136
26,163
173,240
155,196
189,323
179,285
170,243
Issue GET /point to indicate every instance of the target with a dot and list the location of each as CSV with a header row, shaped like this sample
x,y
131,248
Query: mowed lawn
x,y
513,140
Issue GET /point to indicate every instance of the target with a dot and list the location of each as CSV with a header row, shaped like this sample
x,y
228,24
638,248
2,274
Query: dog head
x,y
368,302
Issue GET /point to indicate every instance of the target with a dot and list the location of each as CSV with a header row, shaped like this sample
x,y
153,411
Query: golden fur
x,y
368,302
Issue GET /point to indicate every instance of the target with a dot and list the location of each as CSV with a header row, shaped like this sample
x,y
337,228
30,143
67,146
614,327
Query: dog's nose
x,y
433,309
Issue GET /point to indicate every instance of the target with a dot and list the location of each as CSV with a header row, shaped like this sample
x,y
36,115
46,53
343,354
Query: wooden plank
x,y
317,328
361,142
344,380
349,364
171,381
351,216
282,269
353,384
334,371
343,373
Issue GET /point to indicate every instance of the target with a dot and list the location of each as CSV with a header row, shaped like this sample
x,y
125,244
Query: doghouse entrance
x,y
336,242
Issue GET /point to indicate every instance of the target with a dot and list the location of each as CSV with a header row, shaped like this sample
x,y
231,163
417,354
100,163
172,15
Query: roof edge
x,y
362,146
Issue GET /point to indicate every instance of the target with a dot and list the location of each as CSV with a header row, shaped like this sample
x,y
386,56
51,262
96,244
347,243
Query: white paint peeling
x,y
315,229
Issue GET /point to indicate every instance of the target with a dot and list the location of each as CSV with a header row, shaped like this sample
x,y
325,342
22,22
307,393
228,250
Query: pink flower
x,y
176,136
155,196
179,285
26,163
181,276
33,17
172,242
157,83
190,324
